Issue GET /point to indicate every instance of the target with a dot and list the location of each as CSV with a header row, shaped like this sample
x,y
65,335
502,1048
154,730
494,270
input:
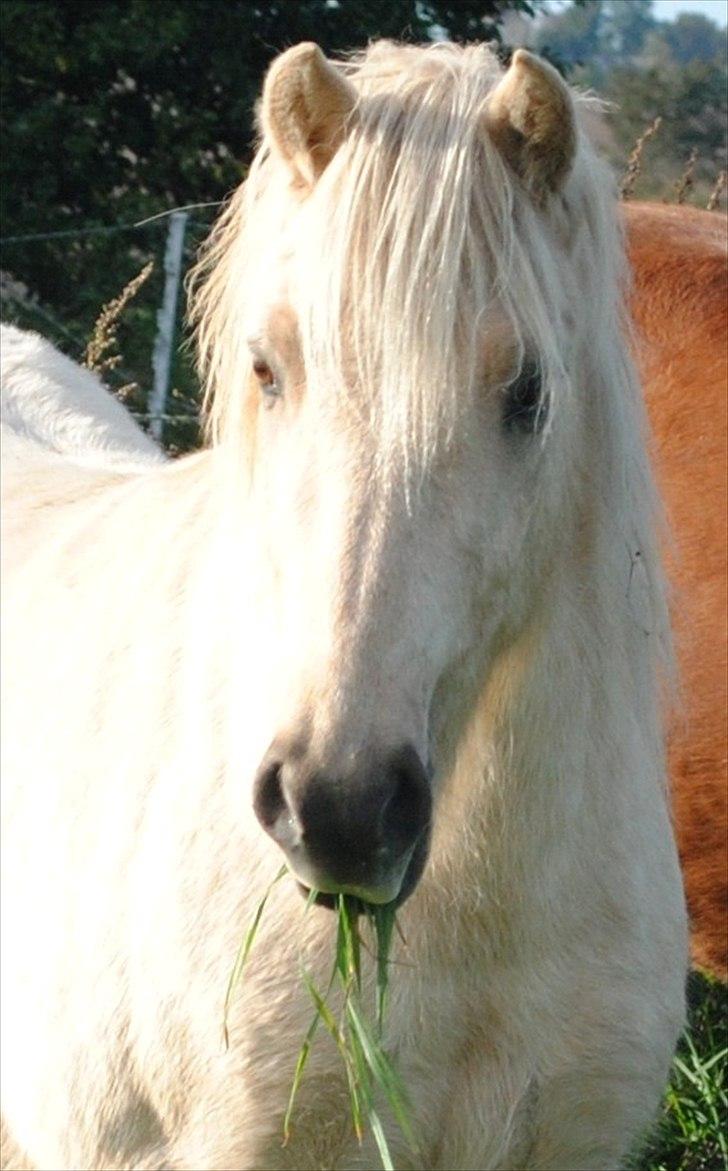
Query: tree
x,y
694,37
573,35
114,111
137,104
646,68
628,25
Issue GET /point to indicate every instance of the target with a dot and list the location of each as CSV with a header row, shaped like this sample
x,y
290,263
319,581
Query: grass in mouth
x,y
358,1039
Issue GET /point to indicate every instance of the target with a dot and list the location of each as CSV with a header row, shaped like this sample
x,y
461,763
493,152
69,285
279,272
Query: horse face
x,y
391,600
403,555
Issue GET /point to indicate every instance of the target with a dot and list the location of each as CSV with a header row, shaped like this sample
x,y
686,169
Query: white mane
x,y
419,221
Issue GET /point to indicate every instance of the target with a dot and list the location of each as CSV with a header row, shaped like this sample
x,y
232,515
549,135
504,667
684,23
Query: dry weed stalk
x,y
103,338
685,182
634,163
716,192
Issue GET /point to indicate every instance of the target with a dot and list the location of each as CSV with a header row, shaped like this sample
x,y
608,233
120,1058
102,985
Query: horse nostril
x,y
269,801
406,813
366,830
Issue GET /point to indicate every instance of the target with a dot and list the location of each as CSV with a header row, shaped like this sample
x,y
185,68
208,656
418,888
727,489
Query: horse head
x,y
401,273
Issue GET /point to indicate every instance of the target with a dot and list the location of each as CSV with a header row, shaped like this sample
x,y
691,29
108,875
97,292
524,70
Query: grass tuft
x,y
686,181
103,339
716,193
371,1076
634,163
691,1133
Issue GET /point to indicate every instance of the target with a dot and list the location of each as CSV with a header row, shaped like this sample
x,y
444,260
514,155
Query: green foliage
x,y
648,68
370,1074
628,25
114,110
694,37
692,104
598,34
574,35
691,1133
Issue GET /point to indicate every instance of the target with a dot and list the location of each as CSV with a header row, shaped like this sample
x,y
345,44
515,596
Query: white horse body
x,y
50,402
154,648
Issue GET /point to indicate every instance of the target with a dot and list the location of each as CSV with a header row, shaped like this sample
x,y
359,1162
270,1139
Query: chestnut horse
x,y
678,256
404,625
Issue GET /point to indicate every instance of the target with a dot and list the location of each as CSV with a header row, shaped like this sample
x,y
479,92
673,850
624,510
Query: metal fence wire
x,y
177,428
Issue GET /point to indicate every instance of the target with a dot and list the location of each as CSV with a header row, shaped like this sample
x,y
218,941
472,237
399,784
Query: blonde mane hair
x,y
420,228
420,222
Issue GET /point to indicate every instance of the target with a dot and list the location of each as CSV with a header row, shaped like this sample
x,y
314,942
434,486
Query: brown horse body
x,y
678,256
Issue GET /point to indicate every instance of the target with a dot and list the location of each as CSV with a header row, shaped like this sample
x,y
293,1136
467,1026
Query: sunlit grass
x,y
691,1133
370,1074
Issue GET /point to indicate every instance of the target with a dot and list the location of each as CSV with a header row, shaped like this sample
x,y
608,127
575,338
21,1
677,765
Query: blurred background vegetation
x,y
675,70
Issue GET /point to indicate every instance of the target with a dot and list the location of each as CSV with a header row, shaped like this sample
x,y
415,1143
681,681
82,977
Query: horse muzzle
x,y
363,831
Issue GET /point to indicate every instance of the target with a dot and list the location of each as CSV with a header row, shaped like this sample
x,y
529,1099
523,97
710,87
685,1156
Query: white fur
x,y
50,402
373,559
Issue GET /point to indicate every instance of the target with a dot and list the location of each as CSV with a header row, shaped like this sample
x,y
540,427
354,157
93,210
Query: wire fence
x,y
169,409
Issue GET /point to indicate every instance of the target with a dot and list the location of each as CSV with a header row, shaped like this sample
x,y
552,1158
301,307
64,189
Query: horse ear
x,y
306,103
530,117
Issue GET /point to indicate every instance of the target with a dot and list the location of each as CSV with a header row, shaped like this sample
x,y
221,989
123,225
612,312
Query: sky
x,y
717,10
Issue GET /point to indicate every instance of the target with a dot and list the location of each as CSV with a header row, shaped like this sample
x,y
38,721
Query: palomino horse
x,y
407,617
680,298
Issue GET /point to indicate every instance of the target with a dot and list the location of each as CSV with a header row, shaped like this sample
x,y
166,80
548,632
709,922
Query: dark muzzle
x,y
363,832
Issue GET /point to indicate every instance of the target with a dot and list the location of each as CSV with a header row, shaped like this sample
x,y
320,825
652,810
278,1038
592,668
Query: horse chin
x,y
357,903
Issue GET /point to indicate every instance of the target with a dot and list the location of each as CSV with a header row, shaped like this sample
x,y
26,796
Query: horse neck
x,y
564,737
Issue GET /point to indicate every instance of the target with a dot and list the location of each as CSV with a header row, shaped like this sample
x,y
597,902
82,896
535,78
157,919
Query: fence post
x,y
166,315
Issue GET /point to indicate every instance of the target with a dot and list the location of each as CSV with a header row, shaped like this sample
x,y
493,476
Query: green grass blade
x,y
243,953
324,1012
303,1056
341,940
383,1073
384,920
717,1059
297,1076
311,900
326,1015
348,949
364,1078
359,1093
381,1140
358,1042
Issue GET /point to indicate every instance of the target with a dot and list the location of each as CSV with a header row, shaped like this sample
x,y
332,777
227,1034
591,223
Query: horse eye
x,y
524,410
266,378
